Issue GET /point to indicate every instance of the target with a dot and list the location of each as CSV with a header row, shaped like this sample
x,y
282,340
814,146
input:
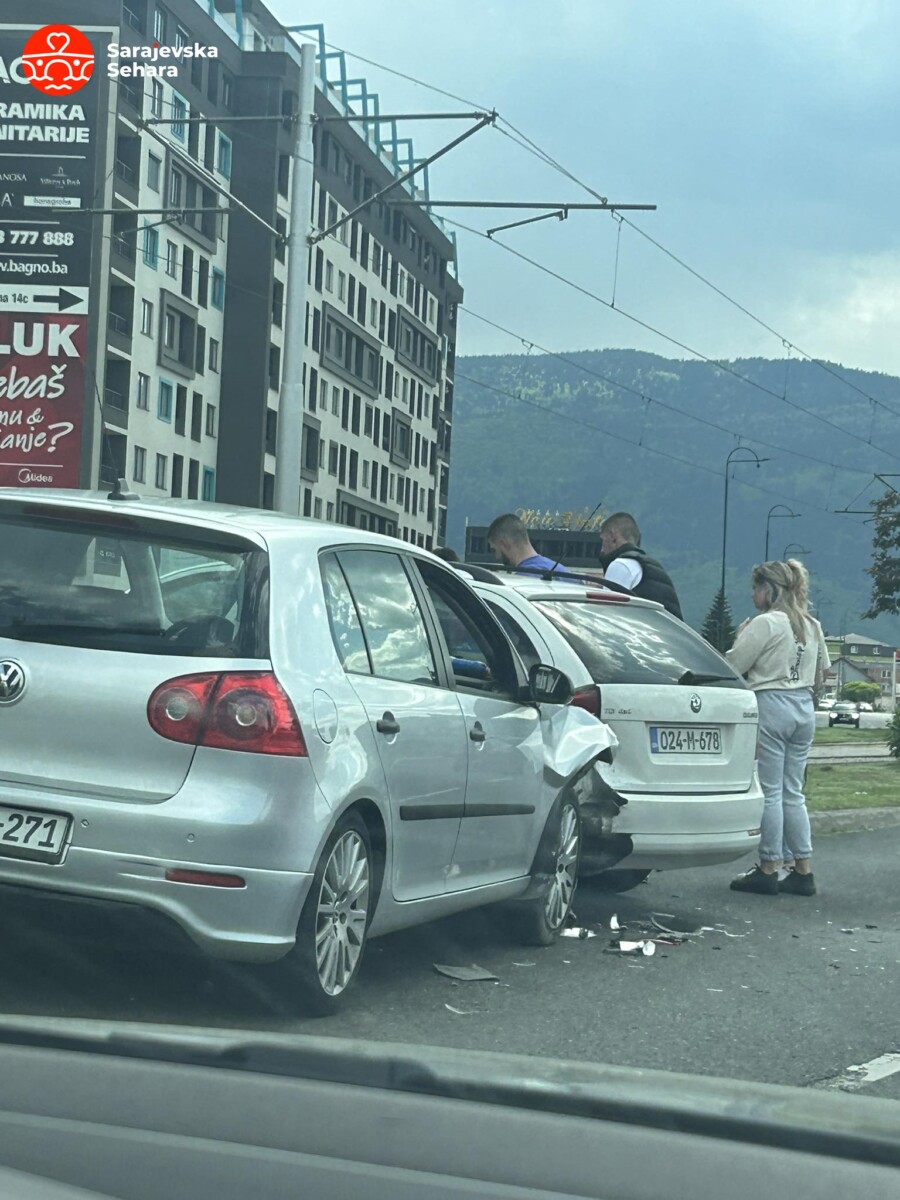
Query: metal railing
x,y
125,245
125,172
120,324
132,19
115,399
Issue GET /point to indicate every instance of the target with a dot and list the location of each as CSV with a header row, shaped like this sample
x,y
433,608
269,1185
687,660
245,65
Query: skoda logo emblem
x,y
12,681
696,703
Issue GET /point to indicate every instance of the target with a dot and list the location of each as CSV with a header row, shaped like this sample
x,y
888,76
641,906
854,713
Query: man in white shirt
x,y
627,565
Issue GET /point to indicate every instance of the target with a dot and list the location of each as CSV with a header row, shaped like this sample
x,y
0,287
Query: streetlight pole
x,y
773,512
754,458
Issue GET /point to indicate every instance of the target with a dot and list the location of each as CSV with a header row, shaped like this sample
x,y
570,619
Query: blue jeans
x,y
786,725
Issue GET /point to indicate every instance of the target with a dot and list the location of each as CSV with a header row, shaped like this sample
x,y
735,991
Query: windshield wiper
x,y
690,678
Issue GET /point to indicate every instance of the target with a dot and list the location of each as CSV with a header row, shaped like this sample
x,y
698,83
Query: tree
x,y
860,692
885,568
718,625
894,734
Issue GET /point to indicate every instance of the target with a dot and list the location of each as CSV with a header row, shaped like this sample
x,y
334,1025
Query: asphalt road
x,y
790,997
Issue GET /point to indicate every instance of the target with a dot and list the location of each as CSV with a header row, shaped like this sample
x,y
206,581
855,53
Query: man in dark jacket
x,y
626,564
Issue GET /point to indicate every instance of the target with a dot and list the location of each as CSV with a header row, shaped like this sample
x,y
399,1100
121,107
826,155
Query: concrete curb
x,y
854,820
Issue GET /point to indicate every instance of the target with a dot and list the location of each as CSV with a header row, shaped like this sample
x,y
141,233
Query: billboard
x,y
51,137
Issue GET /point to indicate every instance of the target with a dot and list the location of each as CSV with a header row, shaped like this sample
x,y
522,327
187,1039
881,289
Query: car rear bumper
x,y
255,923
670,831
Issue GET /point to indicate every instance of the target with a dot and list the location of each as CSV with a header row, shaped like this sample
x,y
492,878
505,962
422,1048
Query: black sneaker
x,y
756,881
799,885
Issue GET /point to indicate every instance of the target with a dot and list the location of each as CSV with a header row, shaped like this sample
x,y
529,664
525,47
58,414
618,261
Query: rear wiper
x,y
689,677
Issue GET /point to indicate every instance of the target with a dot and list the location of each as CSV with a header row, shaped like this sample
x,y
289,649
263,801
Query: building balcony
x,y
119,325
132,18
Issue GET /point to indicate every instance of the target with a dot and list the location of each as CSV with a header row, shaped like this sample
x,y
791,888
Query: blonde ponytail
x,y
786,585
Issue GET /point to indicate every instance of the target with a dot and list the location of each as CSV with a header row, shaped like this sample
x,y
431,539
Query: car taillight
x,y
614,597
588,698
238,710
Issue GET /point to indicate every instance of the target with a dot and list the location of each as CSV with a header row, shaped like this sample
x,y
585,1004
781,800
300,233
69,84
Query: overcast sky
x,y
766,133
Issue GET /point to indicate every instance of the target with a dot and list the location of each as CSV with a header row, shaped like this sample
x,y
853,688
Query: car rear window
x,y
622,644
137,588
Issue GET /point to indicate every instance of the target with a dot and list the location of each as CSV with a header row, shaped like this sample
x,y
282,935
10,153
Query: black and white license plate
x,y
675,739
29,833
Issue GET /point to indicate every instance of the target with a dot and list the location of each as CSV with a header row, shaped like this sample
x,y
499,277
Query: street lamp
x,y
797,549
773,512
754,457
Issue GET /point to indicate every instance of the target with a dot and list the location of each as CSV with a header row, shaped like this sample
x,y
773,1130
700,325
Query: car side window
x,y
391,618
525,647
480,659
346,627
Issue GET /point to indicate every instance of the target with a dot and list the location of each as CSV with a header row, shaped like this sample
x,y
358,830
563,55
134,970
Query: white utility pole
x,y
289,442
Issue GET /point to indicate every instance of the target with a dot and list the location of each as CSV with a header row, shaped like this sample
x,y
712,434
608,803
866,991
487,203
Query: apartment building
x,y
187,216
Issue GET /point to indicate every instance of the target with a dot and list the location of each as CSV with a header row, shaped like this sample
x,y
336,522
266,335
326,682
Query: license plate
x,y
28,833
673,739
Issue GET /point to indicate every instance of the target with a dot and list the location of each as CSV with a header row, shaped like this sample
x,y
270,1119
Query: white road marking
x,y
857,1077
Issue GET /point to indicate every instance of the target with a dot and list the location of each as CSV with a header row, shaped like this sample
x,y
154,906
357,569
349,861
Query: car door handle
x,y
477,734
388,724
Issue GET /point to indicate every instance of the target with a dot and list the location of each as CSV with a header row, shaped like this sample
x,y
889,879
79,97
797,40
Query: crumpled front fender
x,y
573,739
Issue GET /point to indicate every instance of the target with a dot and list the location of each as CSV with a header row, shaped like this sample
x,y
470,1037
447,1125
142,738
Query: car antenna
x,y
120,491
583,525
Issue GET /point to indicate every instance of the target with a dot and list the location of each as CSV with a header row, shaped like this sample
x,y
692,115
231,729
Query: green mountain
x,y
534,431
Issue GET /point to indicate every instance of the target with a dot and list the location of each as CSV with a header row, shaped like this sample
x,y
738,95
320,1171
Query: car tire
x,y
334,923
618,881
540,921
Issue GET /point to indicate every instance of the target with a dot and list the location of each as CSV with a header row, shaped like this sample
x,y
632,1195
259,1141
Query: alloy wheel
x,y
565,876
342,913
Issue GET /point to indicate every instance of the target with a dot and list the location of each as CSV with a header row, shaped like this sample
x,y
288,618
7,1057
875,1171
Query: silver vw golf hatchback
x,y
283,736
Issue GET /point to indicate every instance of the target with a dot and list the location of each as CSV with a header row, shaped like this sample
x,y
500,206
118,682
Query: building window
x,y
213,354
162,470
209,484
156,98
218,288
342,286
274,368
159,24
284,174
176,187
227,90
317,509
365,478
154,168
223,156
210,420
147,317
140,464
335,401
179,115
373,313
171,259
182,37
164,404
151,246
329,276
329,511
143,391
277,303
169,331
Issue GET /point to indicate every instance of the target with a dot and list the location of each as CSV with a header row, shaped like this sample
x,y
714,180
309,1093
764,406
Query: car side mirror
x,y
547,685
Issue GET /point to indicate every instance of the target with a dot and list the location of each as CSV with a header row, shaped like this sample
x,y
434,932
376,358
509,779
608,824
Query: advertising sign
x,y
51,134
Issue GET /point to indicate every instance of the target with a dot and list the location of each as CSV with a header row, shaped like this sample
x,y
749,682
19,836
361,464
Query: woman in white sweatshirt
x,y
782,655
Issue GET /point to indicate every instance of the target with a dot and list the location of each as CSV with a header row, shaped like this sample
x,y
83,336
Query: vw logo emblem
x,y
12,681
696,703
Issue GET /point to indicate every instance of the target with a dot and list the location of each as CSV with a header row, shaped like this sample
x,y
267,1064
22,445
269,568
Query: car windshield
x,y
149,590
627,644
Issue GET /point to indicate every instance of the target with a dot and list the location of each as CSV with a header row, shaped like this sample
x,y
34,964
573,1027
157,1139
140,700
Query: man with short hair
x,y
626,564
509,540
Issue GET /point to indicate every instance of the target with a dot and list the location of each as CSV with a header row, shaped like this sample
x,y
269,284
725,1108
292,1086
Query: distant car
x,y
255,726
826,705
864,706
686,722
844,713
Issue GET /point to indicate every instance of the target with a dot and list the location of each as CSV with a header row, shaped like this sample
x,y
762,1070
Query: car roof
x,y
533,587
260,525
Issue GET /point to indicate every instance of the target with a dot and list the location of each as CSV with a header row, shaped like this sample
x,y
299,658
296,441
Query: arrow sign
x,y
34,298
62,301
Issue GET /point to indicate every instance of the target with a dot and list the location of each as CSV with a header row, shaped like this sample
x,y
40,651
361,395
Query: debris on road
x,y
466,974
461,1012
524,964
614,922
647,948
578,931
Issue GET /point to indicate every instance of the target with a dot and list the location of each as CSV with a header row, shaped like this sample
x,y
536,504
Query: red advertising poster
x,y
42,397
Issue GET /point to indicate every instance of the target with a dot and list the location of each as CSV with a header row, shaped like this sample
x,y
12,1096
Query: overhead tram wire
x,y
722,366
644,395
531,147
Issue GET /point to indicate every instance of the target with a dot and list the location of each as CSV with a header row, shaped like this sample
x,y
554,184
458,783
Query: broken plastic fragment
x,y
524,964
461,1012
674,932
466,974
614,922
578,931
